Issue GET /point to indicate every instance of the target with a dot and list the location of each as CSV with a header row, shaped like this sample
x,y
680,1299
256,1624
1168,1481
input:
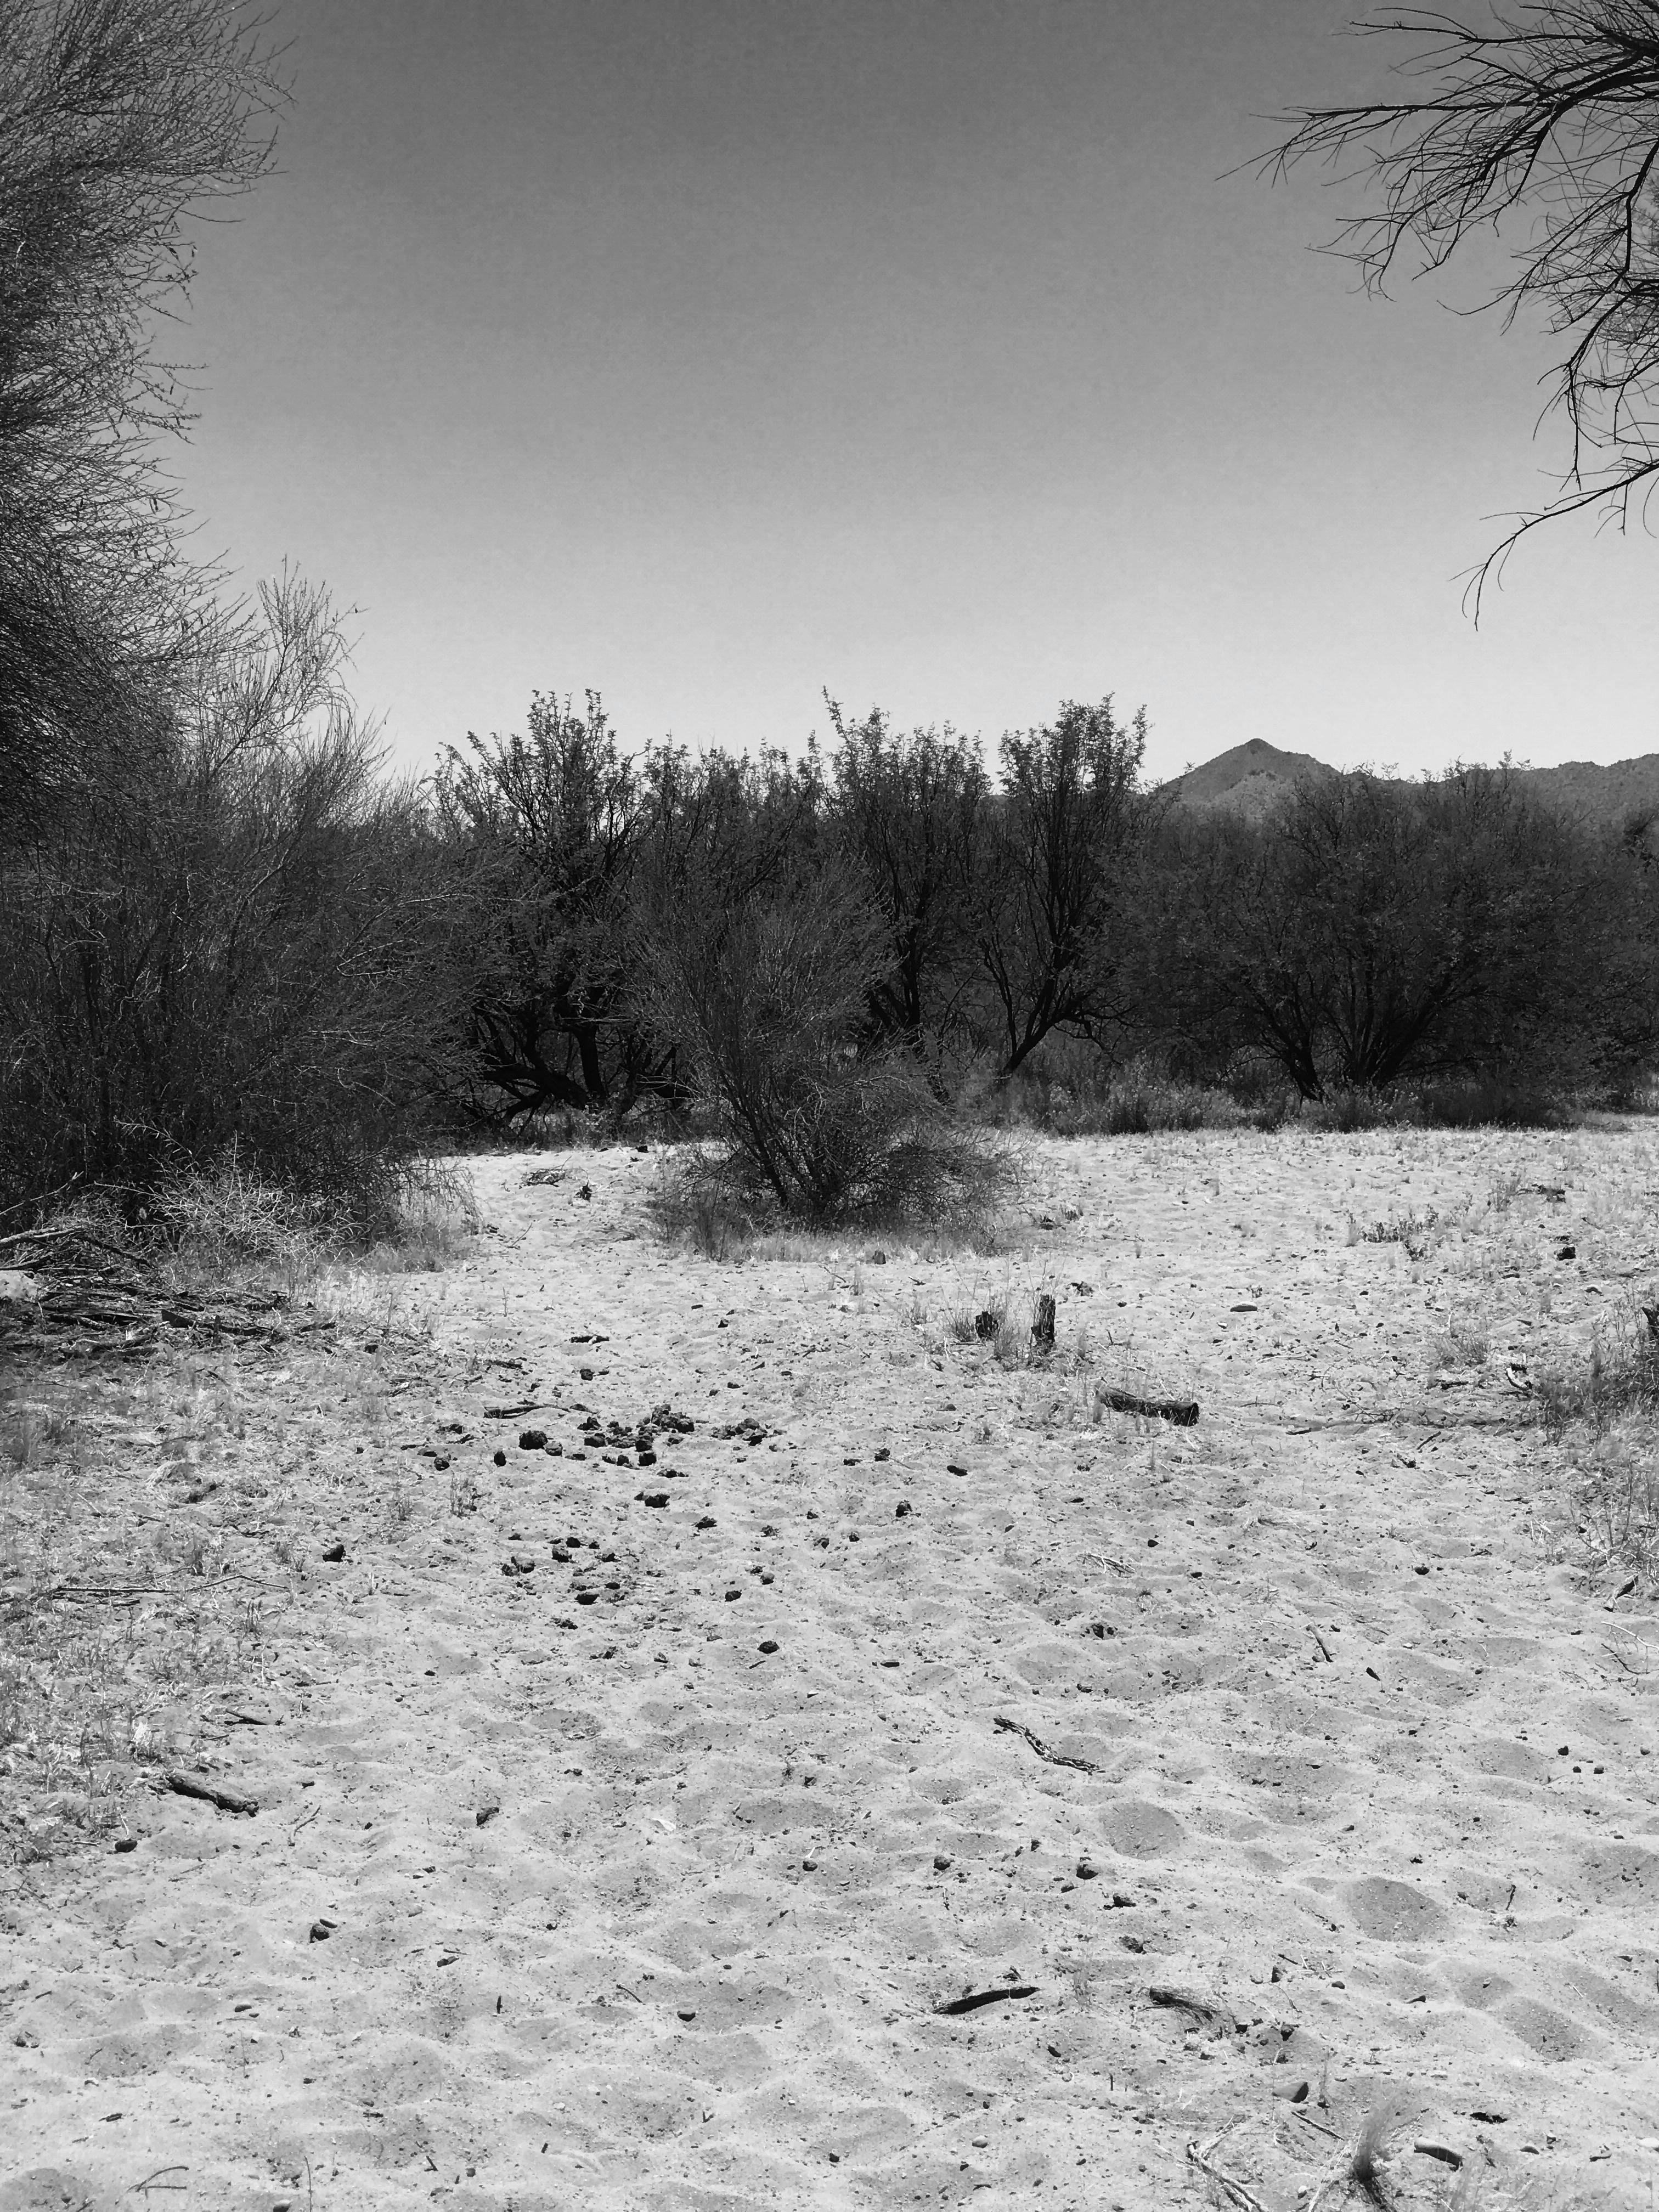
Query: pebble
x,y
769,1646
902,1510
334,1553
532,1439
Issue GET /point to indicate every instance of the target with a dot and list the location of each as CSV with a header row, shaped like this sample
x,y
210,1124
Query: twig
x,y
971,2000
1053,1758
293,1833
1202,2155
153,2180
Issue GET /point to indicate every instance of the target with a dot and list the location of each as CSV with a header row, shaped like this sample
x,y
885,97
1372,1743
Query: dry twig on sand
x,y
1202,2155
1053,1758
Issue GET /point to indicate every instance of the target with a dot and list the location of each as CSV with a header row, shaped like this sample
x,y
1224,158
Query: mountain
x,y
1598,794
1250,779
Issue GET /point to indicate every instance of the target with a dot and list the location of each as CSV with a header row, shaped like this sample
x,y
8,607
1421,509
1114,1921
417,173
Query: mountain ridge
x,y
1250,779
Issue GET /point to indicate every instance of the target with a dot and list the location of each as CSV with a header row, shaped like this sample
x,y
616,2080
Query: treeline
x,y
1368,935
239,934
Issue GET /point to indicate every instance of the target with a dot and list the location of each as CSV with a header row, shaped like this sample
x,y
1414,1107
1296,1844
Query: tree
x,y
235,941
552,820
1061,832
1371,930
117,116
1548,114
910,812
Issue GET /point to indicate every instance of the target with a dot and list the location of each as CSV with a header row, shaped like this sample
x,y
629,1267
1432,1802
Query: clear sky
x,y
713,353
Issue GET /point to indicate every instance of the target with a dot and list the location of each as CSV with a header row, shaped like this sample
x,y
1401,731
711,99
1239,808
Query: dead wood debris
x,y
211,1793
1202,2155
1182,1411
1053,1758
971,2000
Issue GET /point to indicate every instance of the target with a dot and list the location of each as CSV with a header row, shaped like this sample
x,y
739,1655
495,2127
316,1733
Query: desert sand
x,y
639,1878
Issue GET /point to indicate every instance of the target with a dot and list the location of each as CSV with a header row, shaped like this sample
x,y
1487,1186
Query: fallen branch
x,y
61,1235
971,2000
1183,1412
1053,1758
227,1800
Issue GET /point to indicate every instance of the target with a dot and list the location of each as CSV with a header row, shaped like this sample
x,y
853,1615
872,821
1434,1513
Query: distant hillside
x,y
1249,779
1599,795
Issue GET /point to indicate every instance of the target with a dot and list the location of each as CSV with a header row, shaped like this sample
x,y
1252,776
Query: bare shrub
x,y
770,1000
228,944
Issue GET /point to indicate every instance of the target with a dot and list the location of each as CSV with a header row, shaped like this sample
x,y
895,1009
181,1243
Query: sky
x,y
713,355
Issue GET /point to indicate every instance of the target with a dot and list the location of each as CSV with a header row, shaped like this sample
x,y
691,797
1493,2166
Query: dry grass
x,y
157,1518
1466,1341
1605,1415
943,1200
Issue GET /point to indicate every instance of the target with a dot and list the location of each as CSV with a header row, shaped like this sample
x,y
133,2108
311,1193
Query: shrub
x,y
770,1000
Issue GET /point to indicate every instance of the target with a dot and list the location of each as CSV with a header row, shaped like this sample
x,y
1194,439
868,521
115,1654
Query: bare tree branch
x,y
1544,122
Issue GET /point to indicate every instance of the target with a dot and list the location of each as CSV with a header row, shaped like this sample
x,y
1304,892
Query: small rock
x,y
587,1191
1567,1252
902,1510
587,1374
441,1461
733,1594
655,1497
322,1929
941,1861
950,1467
878,1259
501,1459
1123,1900
647,1459
334,1553
809,1866
1132,1942
883,1453
485,1814
1086,1870
126,1842
707,1521
532,1439
588,1598
769,1646
687,2012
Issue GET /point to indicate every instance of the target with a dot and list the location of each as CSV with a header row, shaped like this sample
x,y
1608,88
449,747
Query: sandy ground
x,y
652,1899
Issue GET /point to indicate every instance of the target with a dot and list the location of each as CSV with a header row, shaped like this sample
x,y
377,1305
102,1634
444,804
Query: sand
x,y
1318,1715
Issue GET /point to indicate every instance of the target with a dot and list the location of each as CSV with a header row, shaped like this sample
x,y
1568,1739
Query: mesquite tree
x,y
1543,120
117,116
